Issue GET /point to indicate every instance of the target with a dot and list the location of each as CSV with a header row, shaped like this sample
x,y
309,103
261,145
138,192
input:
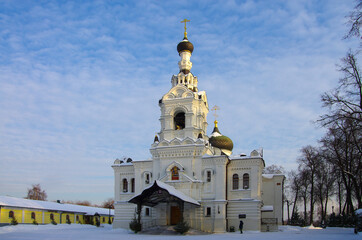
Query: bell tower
x,y
183,109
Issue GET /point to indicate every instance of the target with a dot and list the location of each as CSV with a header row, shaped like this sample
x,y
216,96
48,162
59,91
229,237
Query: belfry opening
x,y
179,121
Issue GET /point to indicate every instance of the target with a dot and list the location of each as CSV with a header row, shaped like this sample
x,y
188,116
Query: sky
x,y
80,82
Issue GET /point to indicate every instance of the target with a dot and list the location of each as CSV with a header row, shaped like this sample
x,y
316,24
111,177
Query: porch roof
x,y
160,192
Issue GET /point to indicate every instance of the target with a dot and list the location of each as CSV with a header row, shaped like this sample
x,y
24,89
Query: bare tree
x,y
354,21
109,203
308,162
36,193
345,101
274,169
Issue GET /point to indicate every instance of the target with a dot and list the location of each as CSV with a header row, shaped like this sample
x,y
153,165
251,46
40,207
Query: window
x,y
52,216
67,217
246,181
132,185
174,173
125,185
235,181
208,211
147,213
104,220
77,218
11,214
208,176
179,121
147,181
33,215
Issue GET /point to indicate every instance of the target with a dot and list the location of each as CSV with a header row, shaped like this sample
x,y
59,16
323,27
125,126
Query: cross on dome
x,y
185,21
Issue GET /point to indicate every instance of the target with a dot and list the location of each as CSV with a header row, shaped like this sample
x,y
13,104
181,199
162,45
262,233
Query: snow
x,y
44,205
171,190
358,211
77,231
267,208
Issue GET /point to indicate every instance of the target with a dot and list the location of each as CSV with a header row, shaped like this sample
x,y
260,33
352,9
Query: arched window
x,y
52,216
174,173
246,181
132,185
125,185
11,214
147,180
208,176
235,181
179,121
67,217
77,218
33,215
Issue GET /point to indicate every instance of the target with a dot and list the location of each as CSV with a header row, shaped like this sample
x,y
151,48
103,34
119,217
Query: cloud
x,y
80,83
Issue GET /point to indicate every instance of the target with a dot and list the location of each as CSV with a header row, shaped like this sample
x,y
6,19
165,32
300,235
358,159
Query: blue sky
x,y
80,82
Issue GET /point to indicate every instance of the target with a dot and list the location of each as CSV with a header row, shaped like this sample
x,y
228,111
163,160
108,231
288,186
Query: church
x,y
192,176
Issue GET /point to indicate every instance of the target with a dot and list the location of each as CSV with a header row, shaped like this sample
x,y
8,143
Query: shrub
x,y
14,221
135,226
68,221
54,222
182,227
35,222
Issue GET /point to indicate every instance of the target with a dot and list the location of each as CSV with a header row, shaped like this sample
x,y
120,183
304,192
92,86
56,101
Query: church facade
x,y
193,176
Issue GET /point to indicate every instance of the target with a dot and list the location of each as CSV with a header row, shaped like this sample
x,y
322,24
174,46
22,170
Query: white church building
x,y
193,176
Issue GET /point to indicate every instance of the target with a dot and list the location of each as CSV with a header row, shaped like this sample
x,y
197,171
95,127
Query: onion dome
x,y
219,141
185,45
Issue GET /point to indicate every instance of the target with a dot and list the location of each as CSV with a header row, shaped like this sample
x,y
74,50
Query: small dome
x,y
185,45
220,141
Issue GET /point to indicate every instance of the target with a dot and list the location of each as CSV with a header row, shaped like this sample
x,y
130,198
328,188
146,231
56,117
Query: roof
x,y
54,206
149,198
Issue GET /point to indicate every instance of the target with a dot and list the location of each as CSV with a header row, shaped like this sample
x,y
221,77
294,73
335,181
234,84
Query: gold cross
x,y
185,21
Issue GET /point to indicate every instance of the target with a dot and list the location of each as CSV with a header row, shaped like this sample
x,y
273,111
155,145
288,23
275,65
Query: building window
x,y
104,220
174,173
132,185
77,218
33,215
52,216
125,185
208,176
147,213
11,214
147,181
246,181
179,120
208,211
235,181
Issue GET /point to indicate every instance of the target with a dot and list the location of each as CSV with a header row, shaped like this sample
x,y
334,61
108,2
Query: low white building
x,y
193,176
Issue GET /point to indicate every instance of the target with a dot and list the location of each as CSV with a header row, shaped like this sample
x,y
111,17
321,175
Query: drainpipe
x,y
226,194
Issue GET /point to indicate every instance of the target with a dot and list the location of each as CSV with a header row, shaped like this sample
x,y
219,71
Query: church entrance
x,y
175,215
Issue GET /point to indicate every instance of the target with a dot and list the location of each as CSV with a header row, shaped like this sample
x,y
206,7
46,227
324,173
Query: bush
x,y
135,226
35,222
54,222
182,227
68,221
98,223
14,221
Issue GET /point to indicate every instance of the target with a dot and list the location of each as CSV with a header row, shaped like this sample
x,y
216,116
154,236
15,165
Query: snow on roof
x,y
270,176
45,205
172,191
358,211
267,208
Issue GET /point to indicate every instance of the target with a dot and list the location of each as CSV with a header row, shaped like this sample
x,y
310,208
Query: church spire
x,y
185,49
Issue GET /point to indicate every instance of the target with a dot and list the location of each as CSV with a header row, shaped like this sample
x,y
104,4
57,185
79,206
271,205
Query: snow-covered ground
x,y
87,232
